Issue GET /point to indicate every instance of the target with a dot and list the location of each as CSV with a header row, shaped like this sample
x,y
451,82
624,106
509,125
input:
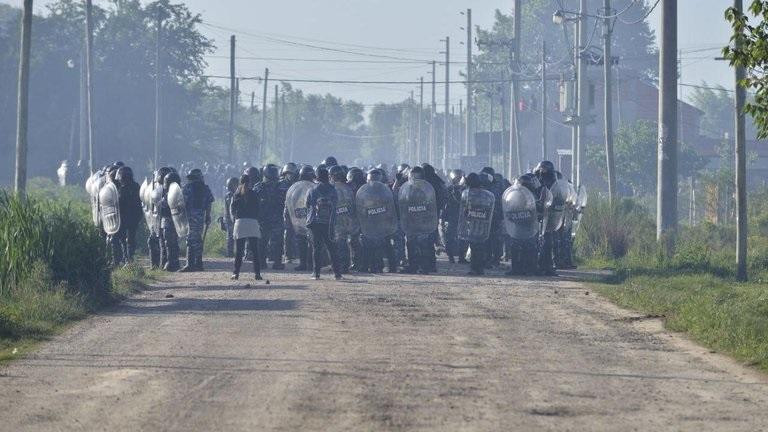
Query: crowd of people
x,y
351,219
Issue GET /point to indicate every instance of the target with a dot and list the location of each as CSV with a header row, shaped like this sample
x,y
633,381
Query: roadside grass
x,y
718,313
55,266
39,307
216,240
694,289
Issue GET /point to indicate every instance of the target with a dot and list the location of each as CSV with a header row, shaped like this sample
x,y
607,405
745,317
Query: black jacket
x,y
129,203
245,206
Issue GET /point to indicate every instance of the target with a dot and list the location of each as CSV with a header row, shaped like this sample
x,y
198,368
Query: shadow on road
x,y
170,306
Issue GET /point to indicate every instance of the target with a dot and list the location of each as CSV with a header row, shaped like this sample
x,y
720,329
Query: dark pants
x,y
420,247
355,247
546,265
478,259
170,245
374,252
230,238
523,255
240,245
153,244
453,246
271,243
290,242
321,238
342,248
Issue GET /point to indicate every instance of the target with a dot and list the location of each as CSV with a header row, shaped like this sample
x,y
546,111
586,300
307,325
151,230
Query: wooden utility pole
x,y
544,103
22,102
469,136
232,99
283,134
158,85
666,196
446,115
608,101
89,81
741,168
263,147
432,115
419,140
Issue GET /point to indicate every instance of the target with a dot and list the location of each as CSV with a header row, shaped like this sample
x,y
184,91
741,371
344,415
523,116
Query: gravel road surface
x,y
198,352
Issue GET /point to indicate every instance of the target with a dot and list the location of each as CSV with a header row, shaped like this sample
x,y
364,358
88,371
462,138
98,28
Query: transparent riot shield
x,y
556,214
345,222
110,208
581,205
418,207
178,210
376,210
519,206
296,204
475,214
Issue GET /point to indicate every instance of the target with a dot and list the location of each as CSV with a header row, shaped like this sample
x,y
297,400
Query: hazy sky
x,y
412,27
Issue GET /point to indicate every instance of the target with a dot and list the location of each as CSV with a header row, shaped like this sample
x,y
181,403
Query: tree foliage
x,y
749,49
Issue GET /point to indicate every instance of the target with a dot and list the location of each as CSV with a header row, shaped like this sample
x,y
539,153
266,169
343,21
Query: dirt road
x,y
387,352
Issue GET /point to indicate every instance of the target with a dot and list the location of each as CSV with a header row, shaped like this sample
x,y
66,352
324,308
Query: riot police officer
x,y
545,172
198,200
155,242
321,204
227,221
450,218
288,176
130,214
271,208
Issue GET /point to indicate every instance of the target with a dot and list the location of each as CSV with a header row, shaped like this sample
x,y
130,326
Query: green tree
x,y
717,103
635,148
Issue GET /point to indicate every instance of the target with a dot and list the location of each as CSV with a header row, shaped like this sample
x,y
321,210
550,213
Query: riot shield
x,y
519,206
296,203
93,186
556,212
178,210
475,215
570,205
110,208
376,210
581,204
146,204
418,207
345,223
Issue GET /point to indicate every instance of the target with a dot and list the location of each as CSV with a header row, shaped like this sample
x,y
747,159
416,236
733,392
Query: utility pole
x,y
158,85
409,144
82,114
741,168
461,130
608,101
278,149
446,116
581,83
490,128
253,127
283,134
232,99
22,102
432,115
544,102
263,147
420,141
88,80
468,139
515,69
666,204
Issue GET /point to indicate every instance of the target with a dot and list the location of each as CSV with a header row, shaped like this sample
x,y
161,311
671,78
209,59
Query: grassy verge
x,y
40,307
724,315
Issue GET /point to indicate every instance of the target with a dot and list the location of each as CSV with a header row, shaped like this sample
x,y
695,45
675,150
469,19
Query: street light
x,y
558,17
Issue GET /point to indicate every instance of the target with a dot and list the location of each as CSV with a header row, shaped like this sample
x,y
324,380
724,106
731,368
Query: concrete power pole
x,y
252,153
544,102
490,127
469,135
514,138
158,86
278,148
446,115
88,80
22,102
608,102
263,147
741,169
666,195
581,84
432,115
232,99
420,140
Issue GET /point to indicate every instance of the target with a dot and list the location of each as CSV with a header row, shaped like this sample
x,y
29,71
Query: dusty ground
x,y
387,352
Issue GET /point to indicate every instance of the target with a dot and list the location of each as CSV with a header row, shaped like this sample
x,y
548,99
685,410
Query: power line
x,y
647,14
317,60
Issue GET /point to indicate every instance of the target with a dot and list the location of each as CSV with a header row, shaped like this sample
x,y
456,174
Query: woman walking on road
x,y
245,210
